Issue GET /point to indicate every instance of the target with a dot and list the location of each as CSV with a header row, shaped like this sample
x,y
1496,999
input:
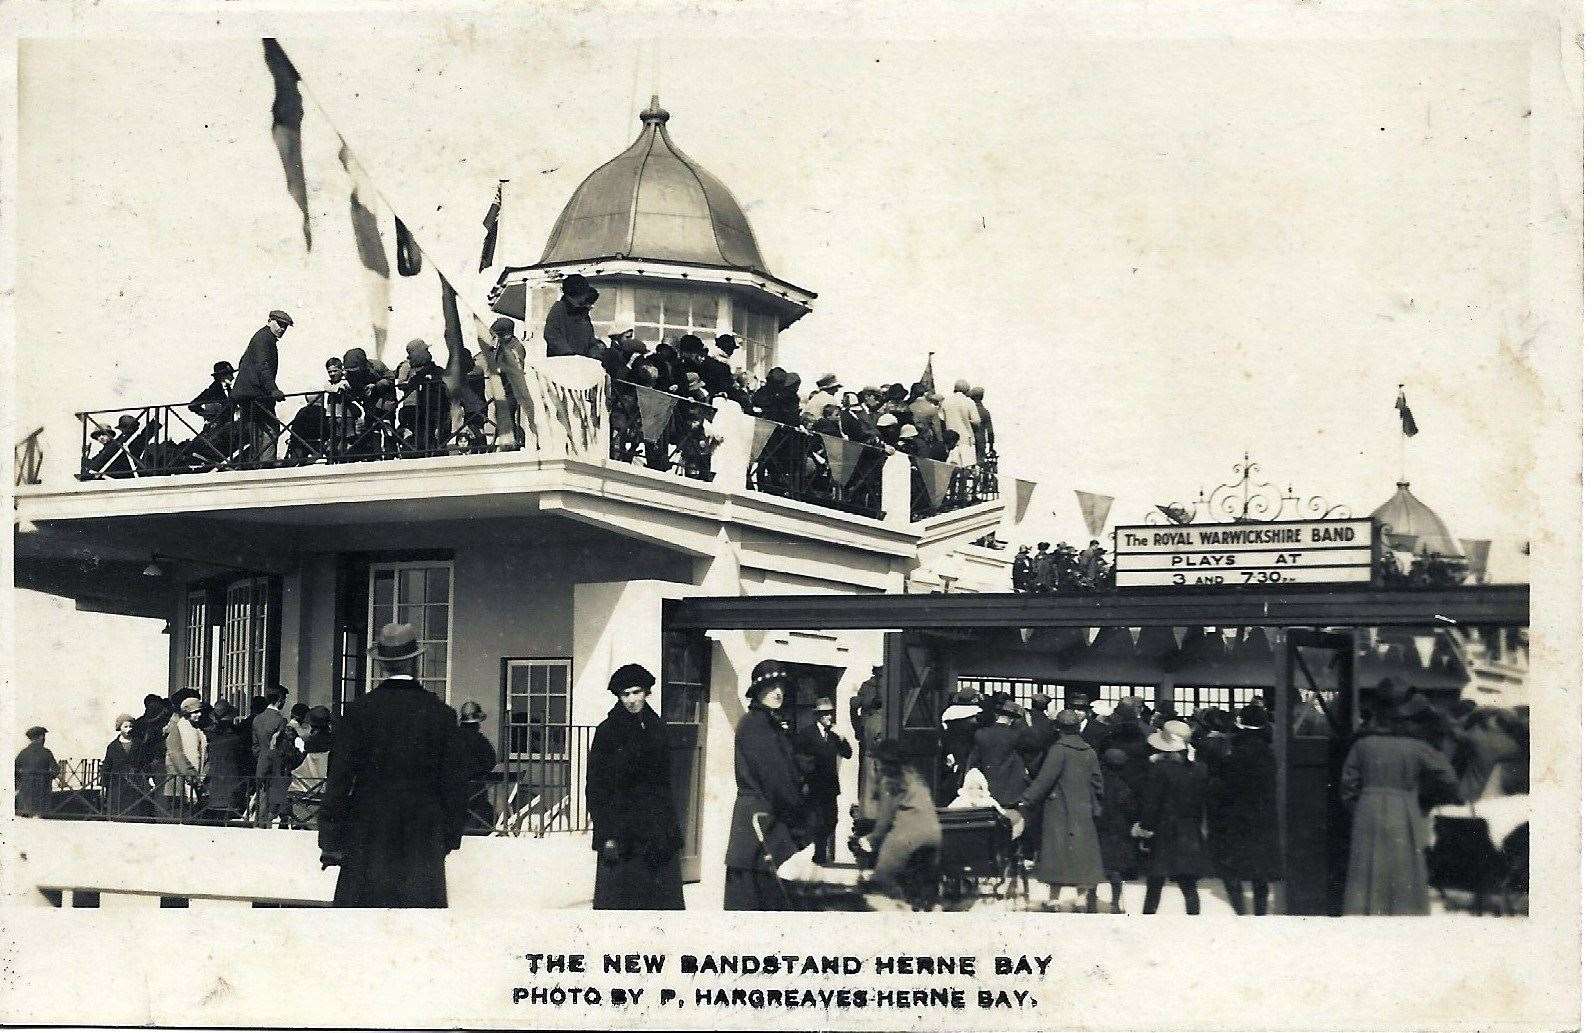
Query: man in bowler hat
x,y
395,800
819,752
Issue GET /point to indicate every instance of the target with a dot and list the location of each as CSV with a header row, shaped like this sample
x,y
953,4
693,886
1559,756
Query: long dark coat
x,y
819,759
996,754
1068,792
257,369
1120,809
631,803
35,772
229,767
394,804
480,760
121,778
1242,811
1383,773
1172,809
768,784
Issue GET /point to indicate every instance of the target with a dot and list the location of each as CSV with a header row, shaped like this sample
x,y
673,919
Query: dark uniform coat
x,y
632,805
35,771
257,370
394,805
1172,808
1067,796
1242,811
996,754
121,778
1120,809
1383,773
768,784
229,767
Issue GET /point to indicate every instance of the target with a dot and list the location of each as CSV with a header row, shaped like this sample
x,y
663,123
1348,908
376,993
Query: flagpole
x,y
1400,430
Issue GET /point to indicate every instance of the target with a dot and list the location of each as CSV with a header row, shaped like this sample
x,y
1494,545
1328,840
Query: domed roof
x,y
1405,514
652,202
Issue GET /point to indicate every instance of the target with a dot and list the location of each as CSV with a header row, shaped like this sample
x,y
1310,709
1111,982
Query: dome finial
x,y
654,115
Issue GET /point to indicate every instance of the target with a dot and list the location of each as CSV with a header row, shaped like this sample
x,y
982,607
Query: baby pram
x,y
978,860
809,886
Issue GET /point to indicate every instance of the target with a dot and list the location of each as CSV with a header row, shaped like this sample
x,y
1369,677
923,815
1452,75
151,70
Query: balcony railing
x,y
818,468
539,792
560,409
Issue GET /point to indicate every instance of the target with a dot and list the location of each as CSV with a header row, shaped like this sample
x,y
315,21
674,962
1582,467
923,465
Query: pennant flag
x,y
1408,423
1178,514
1025,634
1094,508
1477,553
1425,648
762,429
490,224
287,116
1023,491
937,479
1134,636
409,252
843,456
657,408
1090,635
928,377
1179,635
368,244
458,358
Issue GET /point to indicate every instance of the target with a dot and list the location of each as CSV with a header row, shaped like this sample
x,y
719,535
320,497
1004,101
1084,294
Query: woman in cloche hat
x,y
634,829
768,793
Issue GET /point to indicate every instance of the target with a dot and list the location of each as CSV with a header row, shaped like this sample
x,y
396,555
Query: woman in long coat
x,y
1242,813
119,773
1068,790
768,791
634,827
1383,774
1172,812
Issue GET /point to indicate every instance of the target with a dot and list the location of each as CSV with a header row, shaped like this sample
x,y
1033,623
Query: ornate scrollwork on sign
x,y
1247,499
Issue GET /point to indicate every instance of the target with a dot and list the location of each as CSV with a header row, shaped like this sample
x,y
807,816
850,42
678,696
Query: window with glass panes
x,y
1184,700
1222,696
245,628
196,645
757,332
665,313
536,709
420,595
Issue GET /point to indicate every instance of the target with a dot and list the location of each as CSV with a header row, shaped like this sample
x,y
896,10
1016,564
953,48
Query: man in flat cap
x,y
568,328
255,391
35,770
397,784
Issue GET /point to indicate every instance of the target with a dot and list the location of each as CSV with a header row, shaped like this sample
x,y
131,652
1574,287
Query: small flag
x,y
928,377
490,224
1094,508
287,118
657,407
843,456
368,244
409,252
1408,423
1023,491
937,479
1178,514
453,336
1477,553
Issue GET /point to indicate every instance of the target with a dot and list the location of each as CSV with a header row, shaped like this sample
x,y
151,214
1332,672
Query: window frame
x,y
506,723
268,648
373,676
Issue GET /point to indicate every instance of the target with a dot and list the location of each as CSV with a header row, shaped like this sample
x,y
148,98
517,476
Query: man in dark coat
x,y
819,749
996,754
1041,568
255,391
568,328
717,375
1172,811
1242,812
271,782
480,761
394,806
1023,570
634,826
768,792
35,771
229,764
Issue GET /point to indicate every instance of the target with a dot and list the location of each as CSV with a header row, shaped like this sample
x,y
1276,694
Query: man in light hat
x,y
962,415
395,800
255,391
825,392
35,770
819,751
908,441
568,328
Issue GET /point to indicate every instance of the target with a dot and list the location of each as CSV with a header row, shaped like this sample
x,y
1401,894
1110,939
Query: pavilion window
x,y
249,630
419,594
196,644
536,709
666,313
757,332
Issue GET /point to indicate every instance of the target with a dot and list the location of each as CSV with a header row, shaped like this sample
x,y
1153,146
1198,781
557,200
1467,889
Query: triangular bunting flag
x,y
1425,648
762,429
1094,508
937,479
453,337
1023,491
657,408
1477,553
843,456
928,378
1134,636
1025,634
1090,635
1179,635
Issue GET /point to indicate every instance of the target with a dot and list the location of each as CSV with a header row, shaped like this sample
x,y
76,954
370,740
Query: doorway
x,y
683,704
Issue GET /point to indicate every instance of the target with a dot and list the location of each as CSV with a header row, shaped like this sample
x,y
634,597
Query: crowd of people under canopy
x,y
369,410
1063,569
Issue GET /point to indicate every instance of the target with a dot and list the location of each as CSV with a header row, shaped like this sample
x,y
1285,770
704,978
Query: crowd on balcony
x,y
1062,570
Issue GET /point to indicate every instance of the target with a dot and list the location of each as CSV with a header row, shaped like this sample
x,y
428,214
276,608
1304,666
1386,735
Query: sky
x,y
1156,255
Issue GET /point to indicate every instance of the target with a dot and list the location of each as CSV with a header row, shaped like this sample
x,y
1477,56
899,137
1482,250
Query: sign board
x,y
1302,552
